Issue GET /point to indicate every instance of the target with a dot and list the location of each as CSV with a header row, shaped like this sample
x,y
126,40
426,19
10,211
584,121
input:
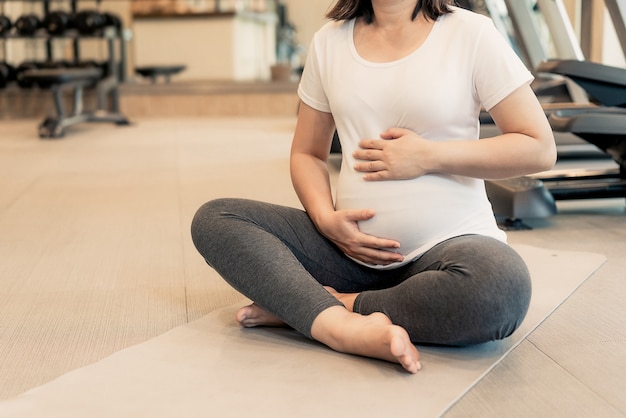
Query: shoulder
x,y
465,20
332,29
332,36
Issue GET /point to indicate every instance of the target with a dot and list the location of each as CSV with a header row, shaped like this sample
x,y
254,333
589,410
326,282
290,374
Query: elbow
x,y
547,154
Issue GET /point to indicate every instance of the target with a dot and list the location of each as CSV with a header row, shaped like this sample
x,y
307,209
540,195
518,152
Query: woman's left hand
x,y
399,155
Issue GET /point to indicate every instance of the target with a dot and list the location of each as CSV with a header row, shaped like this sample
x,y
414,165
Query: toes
x,y
405,352
253,316
244,315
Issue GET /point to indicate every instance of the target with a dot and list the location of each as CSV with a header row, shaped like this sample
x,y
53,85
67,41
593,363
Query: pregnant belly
x,y
413,212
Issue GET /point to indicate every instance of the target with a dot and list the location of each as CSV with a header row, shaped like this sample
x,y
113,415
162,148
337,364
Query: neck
x,y
393,12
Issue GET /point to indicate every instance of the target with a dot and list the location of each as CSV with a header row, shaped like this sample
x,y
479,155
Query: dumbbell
x,y
34,65
27,25
88,22
19,71
113,20
5,25
57,22
7,74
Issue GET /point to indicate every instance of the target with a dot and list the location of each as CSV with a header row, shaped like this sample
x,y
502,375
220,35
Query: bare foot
x,y
346,298
254,316
366,335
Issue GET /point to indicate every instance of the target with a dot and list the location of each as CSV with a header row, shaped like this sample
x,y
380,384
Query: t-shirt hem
x,y
417,253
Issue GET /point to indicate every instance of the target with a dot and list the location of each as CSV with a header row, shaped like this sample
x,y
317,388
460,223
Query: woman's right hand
x,y
342,228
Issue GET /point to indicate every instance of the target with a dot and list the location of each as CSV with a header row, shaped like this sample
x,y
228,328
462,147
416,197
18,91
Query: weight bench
x,y
154,71
59,80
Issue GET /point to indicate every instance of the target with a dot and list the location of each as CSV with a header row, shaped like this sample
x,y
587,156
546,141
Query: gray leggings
x,y
466,290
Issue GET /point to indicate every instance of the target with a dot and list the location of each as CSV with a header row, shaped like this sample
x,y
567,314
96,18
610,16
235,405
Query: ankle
x,y
346,298
327,327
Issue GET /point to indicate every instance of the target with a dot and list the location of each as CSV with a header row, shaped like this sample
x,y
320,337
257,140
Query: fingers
x,y
357,215
377,256
378,176
375,170
371,144
371,160
393,133
368,154
370,166
384,244
372,163
366,248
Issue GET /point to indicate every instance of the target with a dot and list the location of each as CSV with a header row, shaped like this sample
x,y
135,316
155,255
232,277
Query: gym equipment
x,y
61,79
103,66
34,65
88,22
605,85
5,25
27,25
57,22
166,71
76,75
7,74
588,21
602,126
519,198
19,72
617,11
606,129
113,20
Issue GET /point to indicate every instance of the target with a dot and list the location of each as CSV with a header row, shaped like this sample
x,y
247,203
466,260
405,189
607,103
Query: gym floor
x,y
102,214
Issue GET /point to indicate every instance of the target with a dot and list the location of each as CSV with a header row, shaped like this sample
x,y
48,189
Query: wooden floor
x,y
88,220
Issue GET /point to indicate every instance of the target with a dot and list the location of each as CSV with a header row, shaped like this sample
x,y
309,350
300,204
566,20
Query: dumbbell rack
x,y
107,88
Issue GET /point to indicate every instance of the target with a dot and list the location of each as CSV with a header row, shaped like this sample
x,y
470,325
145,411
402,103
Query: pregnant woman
x,y
408,251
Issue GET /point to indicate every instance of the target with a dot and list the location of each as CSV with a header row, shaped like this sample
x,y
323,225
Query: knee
x,y
504,307
514,294
496,294
206,222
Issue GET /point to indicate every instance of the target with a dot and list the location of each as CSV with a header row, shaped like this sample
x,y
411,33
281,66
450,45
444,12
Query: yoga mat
x,y
214,368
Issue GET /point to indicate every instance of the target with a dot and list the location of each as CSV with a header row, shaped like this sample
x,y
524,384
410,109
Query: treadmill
x,y
541,33
603,126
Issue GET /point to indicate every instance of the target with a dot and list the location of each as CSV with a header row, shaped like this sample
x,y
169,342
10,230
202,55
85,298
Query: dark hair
x,y
350,9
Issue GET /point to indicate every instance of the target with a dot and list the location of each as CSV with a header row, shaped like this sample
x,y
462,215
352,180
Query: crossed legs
x,y
275,256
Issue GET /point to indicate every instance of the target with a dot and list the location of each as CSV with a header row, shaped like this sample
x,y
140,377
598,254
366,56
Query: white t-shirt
x,y
436,91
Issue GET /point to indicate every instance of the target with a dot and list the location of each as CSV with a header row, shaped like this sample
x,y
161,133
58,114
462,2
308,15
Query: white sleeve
x,y
498,71
311,89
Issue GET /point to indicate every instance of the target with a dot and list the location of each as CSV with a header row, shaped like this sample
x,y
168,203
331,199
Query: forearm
x,y
526,145
311,182
309,152
504,156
